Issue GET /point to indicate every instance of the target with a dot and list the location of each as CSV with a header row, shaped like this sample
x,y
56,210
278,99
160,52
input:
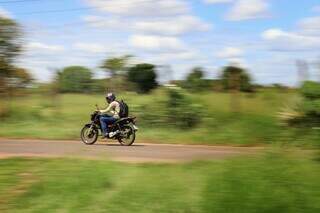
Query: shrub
x,y
311,107
307,113
310,90
177,110
182,112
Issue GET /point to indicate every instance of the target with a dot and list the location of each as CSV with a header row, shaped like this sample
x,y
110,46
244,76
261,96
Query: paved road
x,y
139,152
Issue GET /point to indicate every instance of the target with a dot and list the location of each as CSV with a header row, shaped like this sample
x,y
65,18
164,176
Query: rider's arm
x,y
108,109
112,106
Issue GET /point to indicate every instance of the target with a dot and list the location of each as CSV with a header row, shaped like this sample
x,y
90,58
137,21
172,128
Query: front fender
x,y
94,126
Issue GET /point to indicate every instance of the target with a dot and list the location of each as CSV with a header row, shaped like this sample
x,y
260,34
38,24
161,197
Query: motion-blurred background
x,y
231,72
213,72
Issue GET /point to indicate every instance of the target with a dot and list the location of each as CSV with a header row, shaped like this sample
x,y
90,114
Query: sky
x,y
266,37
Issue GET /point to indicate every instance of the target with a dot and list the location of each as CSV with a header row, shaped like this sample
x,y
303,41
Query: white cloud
x,y
290,41
38,46
103,47
217,1
230,52
176,25
167,57
233,56
4,13
248,9
141,8
109,23
239,62
157,43
310,25
172,26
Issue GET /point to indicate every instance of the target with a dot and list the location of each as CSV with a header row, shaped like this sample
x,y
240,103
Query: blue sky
x,y
264,36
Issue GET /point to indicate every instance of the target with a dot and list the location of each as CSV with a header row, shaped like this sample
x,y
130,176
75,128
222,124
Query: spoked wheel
x,y
127,135
89,135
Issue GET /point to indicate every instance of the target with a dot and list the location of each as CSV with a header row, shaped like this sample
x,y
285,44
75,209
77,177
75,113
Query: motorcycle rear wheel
x,y
89,136
127,135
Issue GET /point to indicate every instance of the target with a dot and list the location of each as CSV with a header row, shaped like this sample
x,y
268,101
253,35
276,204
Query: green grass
x,y
255,123
266,183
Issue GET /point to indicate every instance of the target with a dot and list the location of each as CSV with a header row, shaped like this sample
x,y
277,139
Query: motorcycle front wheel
x,y
127,135
89,135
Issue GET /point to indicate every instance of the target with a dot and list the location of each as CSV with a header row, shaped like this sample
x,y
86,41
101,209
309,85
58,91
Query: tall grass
x,y
256,122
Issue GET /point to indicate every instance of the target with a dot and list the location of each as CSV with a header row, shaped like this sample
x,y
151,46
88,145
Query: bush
x,y
311,102
308,111
310,90
182,112
311,107
151,115
177,110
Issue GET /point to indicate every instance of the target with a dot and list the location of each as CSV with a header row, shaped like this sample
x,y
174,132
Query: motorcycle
x,y
125,129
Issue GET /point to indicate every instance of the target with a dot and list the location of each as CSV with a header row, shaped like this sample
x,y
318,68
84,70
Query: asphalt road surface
x,y
139,152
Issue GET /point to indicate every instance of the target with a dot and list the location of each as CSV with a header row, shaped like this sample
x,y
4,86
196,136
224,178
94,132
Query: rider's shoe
x,y
105,136
112,134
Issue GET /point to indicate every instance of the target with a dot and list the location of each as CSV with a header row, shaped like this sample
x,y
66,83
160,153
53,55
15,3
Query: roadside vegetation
x,y
202,118
272,182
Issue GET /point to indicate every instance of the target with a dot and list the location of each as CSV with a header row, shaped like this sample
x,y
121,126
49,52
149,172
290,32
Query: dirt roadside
x,y
139,152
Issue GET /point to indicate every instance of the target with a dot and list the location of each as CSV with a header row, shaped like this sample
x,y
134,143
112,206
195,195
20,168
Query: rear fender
x,y
131,120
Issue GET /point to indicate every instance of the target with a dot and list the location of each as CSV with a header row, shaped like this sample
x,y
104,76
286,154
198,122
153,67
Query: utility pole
x,y
303,71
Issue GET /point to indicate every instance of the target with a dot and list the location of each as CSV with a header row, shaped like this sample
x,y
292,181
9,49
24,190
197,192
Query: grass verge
x,y
273,182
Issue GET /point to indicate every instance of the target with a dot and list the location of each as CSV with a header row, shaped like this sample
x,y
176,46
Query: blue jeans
x,y
106,120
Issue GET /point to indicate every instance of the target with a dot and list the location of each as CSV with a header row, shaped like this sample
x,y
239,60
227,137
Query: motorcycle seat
x,y
124,119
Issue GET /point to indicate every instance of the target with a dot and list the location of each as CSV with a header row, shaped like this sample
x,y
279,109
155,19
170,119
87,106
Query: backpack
x,y
124,109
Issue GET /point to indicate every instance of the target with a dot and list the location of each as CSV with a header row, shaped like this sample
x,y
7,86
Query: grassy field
x,y
266,183
255,122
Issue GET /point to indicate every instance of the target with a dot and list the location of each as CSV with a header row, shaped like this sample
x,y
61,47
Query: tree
x,y
21,78
195,81
22,74
10,47
236,78
75,79
144,76
115,66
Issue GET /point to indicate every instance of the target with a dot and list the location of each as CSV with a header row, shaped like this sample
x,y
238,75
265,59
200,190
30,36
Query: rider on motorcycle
x,y
109,115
